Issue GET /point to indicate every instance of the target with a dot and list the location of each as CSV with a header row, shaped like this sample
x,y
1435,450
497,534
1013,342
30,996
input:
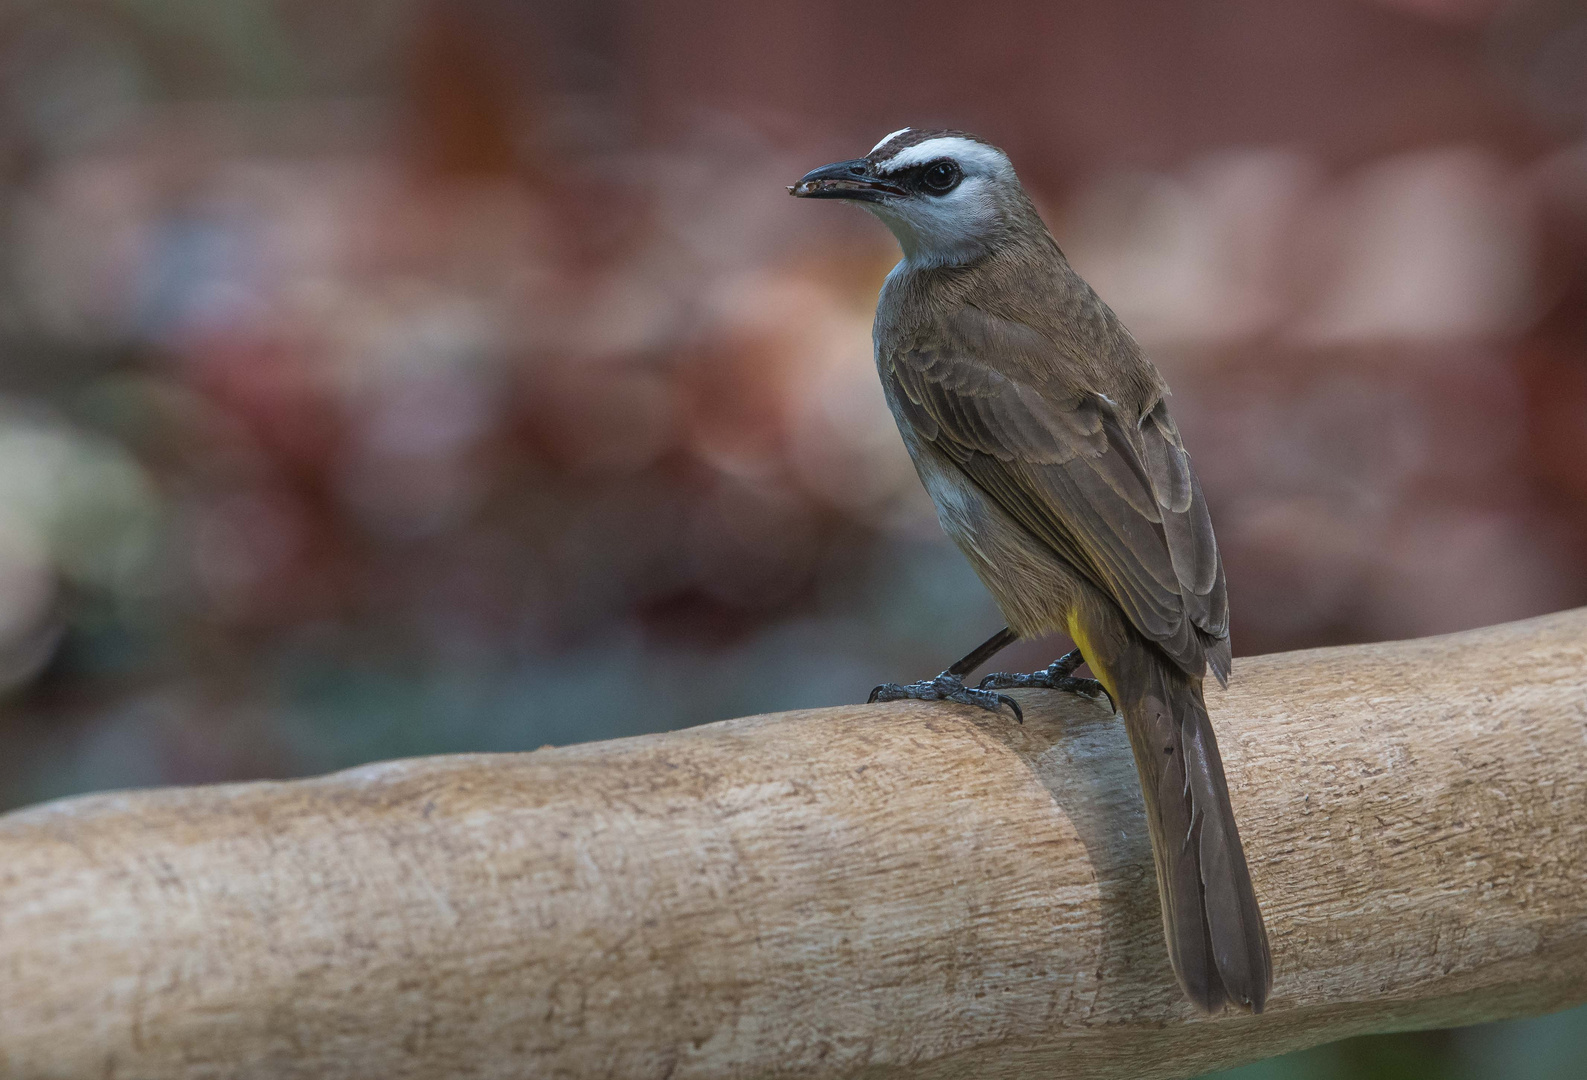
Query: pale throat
x,y
937,236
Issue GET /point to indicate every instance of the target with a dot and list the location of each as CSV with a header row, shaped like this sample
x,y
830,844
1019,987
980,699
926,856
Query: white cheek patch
x,y
973,157
943,230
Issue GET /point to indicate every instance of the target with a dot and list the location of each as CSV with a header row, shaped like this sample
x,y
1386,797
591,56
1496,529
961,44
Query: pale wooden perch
x,y
905,889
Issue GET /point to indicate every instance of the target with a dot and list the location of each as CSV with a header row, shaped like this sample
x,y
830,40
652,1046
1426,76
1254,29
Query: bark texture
x,y
908,889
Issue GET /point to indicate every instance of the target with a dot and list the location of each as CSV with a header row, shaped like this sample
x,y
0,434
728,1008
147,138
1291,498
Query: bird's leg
x,y
949,686
983,652
1058,675
946,687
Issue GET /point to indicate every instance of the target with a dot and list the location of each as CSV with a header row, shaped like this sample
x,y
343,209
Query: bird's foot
x,y
1058,675
946,687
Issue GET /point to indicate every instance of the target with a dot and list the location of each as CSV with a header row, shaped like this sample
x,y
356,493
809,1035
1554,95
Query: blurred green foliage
x,y
1545,1048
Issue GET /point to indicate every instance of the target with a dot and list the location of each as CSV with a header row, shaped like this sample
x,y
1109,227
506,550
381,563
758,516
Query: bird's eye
x,y
941,178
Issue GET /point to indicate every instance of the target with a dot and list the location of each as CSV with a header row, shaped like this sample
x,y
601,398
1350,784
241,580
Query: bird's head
x,y
948,197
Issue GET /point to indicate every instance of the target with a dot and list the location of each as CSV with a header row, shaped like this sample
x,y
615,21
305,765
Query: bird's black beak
x,y
844,180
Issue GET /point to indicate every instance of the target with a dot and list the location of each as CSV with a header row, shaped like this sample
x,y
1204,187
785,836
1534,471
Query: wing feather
x,y
1112,494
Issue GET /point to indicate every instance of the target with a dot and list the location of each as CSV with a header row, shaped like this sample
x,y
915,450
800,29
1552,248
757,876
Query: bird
x,y
1041,431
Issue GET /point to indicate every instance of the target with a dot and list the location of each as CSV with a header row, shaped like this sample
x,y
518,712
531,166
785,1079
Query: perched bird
x,y
1042,433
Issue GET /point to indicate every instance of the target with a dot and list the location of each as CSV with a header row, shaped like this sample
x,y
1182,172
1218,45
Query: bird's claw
x,y
1058,675
946,687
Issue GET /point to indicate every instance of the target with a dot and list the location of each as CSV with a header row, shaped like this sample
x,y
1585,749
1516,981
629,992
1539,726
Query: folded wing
x,y
1112,493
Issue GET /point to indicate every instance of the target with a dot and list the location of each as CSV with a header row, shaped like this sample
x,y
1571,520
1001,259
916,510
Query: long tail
x,y
1216,940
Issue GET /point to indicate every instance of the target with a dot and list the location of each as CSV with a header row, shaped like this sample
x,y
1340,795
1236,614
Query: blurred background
x,y
391,377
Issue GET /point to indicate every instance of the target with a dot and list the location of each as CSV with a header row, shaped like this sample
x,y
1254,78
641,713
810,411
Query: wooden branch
x,y
897,889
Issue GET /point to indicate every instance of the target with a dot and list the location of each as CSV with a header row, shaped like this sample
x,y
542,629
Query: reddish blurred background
x,y
402,377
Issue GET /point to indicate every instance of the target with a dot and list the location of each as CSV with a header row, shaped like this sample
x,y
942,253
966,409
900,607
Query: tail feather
x,y
1234,921
1216,940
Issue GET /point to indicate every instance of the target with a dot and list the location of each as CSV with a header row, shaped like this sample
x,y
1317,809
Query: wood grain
x,y
901,889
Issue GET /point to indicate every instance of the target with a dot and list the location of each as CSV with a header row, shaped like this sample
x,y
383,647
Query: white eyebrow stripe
x,y
964,151
888,139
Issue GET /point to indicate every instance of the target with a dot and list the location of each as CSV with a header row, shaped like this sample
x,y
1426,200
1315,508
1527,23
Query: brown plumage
x,y
1042,433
